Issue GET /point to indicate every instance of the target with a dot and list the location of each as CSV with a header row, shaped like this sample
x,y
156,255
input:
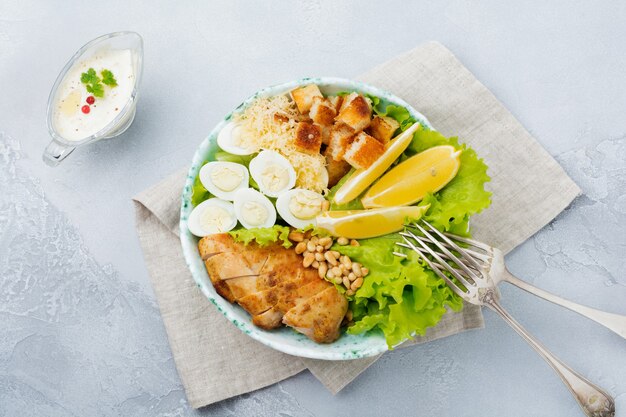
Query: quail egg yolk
x,y
275,177
225,178
254,213
305,206
215,218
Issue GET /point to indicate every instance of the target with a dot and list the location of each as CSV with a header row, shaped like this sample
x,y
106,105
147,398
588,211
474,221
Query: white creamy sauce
x,y
69,120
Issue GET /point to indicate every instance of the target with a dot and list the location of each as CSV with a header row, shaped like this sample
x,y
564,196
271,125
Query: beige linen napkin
x,y
216,361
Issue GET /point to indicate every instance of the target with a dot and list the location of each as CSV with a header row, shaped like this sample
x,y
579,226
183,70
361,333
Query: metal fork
x,y
473,273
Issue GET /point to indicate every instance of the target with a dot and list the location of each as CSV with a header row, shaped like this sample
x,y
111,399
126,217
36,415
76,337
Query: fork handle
x,y
592,399
611,321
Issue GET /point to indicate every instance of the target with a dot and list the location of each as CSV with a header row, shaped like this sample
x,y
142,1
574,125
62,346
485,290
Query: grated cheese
x,y
264,132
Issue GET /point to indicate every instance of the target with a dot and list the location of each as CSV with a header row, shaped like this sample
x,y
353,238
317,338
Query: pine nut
x,y
315,264
357,284
330,275
347,262
296,236
321,271
365,271
350,293
319,257
325,241
335,254
351,276
300,248
314,240
330,258
354,243
310,246
338,280
319,248
308,260
356,268
346,283
325,205
336,271
342,241
328,245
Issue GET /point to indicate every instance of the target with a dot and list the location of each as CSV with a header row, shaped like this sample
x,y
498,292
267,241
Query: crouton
x,y
363,151
308,137
303,97
336,169
326,134
281,118
382,128
356,114
345,100
322,111
336,101
340,137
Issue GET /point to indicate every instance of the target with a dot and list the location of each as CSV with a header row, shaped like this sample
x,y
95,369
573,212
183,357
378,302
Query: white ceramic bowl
x,y
284,339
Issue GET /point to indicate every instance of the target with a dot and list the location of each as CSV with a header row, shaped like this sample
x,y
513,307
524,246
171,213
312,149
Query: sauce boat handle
x,y
55,152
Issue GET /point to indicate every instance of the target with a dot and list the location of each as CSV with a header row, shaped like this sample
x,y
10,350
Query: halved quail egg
x,y
272,172
223,179
299,207
234,139
212,216
253,209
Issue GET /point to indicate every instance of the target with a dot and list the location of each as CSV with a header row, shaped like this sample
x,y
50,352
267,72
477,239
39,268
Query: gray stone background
x,y
80,332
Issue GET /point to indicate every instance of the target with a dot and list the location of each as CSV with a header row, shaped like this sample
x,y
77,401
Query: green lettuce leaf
x,y
451,207
198,192
400,297
403,297
263,236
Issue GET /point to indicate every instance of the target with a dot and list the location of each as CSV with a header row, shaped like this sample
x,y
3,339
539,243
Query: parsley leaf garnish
x,y
108,78
89,77
93,83
95,89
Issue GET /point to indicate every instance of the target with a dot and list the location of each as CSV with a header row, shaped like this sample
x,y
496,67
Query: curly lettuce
x,y
403,297
263,235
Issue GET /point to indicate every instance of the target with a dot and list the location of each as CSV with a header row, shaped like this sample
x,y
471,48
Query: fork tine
x,y
443,255
452,257
450,242
402,255
476,255
451,284
438,258
472,242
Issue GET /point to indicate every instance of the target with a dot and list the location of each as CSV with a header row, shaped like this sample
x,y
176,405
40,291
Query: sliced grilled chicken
x,y
320,316
273,317
272,285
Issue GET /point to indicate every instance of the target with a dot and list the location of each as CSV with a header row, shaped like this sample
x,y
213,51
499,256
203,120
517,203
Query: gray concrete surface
x,y
80,332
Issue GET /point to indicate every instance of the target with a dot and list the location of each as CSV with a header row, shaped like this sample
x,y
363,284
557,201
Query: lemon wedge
x,y
363,224
362,178
411,180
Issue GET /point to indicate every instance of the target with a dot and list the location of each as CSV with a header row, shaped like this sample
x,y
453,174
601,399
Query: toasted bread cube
x,y
345,100
322,112
326,134
303,97
340,138
281,118
335,101
356,114
308,137
363,151
336,169
382,128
